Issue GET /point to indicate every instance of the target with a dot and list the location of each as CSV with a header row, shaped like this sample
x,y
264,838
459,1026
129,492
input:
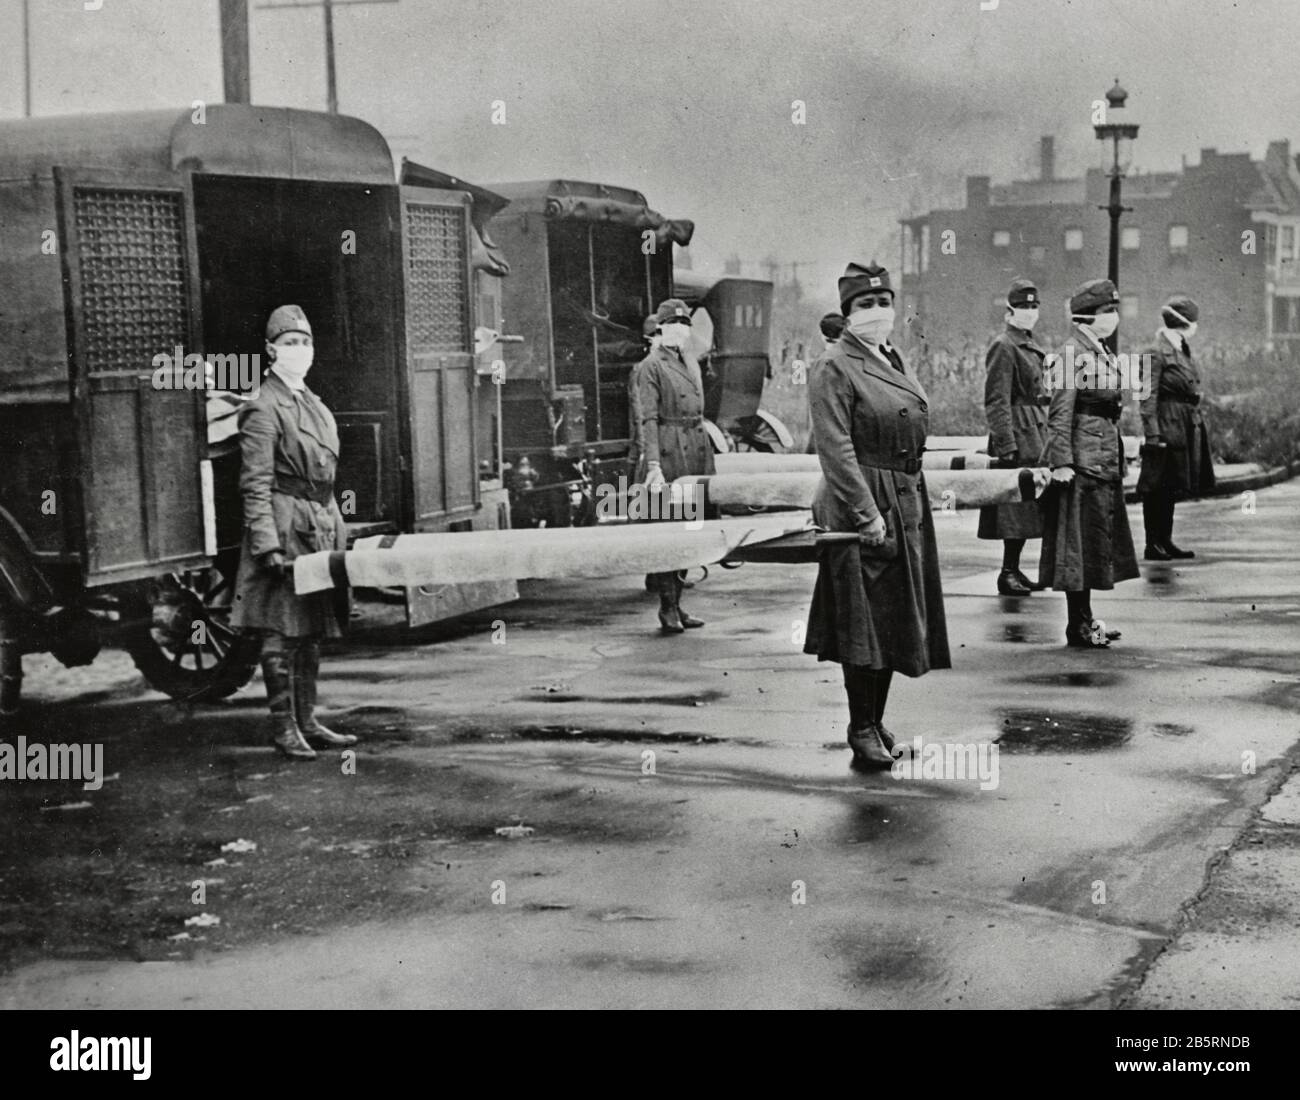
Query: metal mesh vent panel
x,y
132,252
436,282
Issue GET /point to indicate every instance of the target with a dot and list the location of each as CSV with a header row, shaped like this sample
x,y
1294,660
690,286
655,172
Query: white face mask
x,y
1024,318
872,325
674,335
1104,324
1190,330
294,361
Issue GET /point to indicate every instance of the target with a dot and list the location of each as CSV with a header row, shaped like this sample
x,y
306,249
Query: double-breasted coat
x,y
1172,411
289,446
1086,538
1015,406
870,417
670,406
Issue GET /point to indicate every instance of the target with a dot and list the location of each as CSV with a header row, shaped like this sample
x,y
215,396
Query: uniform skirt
x,y
1086,538
884,614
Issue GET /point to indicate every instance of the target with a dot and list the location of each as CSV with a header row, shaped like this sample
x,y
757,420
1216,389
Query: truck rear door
x,y
130,272
440,354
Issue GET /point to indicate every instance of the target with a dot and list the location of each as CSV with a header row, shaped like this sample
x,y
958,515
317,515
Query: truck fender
x,y
782,432
721,444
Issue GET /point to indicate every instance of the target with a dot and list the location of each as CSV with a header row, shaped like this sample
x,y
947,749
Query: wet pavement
x,y
681,827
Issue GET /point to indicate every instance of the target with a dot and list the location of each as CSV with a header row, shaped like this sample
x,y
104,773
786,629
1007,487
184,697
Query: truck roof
x,y
234,139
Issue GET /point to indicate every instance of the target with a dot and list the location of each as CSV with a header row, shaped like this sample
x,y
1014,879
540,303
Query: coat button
x,y
902,412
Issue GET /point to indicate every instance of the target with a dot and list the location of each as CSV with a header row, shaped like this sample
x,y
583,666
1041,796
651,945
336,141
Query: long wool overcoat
x,y
1086,538
1015,406
870,417
291,436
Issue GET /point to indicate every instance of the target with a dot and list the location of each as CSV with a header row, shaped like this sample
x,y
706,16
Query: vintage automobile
x,y
736,335
589,261
127,236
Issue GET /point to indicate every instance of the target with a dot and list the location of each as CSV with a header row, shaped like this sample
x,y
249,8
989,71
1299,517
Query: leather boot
x,y
277,674
683,616
1009,584
669,619
868,749
307,672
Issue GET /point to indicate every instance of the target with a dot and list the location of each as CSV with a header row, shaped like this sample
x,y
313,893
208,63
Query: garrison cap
x,y
673,309
1023,293
286,319
832,325
1094,294
1182,307
858,279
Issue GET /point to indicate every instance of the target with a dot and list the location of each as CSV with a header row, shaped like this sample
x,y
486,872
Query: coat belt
x,y
300,487
688,421
1106,412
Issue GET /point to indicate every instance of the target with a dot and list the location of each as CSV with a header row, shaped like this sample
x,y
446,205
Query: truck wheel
x,y
758,435
187,648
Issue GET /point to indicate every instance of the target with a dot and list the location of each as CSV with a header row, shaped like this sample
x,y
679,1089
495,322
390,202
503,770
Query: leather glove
x,y
1009,461
273,562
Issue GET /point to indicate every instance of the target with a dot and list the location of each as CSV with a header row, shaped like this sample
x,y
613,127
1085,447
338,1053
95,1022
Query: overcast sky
x,y
690,102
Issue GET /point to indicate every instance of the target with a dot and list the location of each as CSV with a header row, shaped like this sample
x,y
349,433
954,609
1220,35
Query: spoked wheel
x,y
187,649
758,435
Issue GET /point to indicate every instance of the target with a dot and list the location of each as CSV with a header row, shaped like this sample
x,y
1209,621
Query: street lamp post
x,y
1115,132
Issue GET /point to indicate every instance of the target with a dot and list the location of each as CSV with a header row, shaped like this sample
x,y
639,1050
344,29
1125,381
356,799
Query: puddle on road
x,y
584,733
638,965
1073,679
1020,633
1032,731
685,699
1170,729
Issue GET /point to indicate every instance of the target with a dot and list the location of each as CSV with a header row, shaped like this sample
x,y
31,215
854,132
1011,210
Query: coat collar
x,y
1090,340
1022,338
309,415
670,357
881,365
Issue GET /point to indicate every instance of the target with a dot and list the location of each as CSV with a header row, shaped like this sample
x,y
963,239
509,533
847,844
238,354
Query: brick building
x,y
1225,230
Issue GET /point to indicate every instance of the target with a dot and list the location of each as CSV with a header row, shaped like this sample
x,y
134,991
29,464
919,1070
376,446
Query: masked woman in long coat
x,y
1015,406
1086,539
672,443
1175,430
877,607
289,446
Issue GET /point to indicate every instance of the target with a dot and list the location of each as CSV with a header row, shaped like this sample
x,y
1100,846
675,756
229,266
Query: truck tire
x,y
186,647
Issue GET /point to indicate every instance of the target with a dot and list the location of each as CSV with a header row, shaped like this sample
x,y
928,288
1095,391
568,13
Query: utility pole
x,y
234,50
327,6
27,58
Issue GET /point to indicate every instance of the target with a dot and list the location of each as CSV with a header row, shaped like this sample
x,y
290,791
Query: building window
x,y
909,244
1178,240
1074,240
925,248
1037,255
1001,238
1286,243
1130,307
1130,238
998,310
